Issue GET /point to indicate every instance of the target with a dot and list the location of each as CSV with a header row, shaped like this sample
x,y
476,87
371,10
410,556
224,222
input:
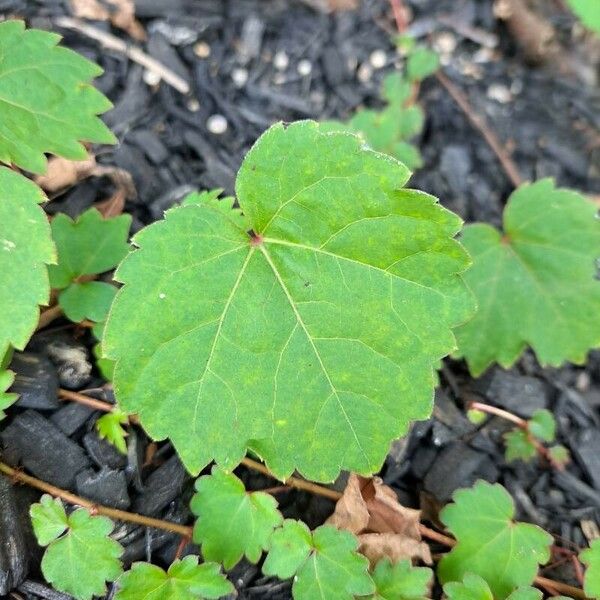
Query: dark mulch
x,y
253,62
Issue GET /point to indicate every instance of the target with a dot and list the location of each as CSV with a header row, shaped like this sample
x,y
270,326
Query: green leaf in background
x,y
231,522
25,249
80,557
185,580
591,558
110,427
6,398
90,245
474,587
542,425
226,205
334,320
481,519
46,100
559,455
519,446
324,563
90,300
422,63
104,365
536,282
588,12
401,581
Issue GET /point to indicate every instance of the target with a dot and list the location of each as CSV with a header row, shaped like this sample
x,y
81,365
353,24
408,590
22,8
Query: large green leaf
x,y
25,249
588,11
401,581
325,564
315,342
474,587
6,398
185,580
591,558
490,544
80,556
535,283
46,102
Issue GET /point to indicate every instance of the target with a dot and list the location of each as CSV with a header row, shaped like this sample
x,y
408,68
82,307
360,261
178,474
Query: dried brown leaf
x,y
327,6
63,173
121,14
376,546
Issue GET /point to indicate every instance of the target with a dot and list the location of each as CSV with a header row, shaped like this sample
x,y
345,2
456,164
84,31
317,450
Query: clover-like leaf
x,y
591,558
421,63
6,398
324,563
88,245
519,446
185,580
110,427
314,342
401,581
46,100
473,587
89,300
588,11
232,522
481,518
535,283
80,557
542,425
25,249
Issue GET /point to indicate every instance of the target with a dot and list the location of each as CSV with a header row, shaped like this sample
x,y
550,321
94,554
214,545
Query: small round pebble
x,y
193,105
217,124
239,77
304,67
281,60
378,59
365,72
151,78
201,49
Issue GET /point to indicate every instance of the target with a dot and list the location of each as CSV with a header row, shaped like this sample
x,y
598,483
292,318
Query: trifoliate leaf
x,y
519,446
536,282
325,563
25,249
6,399
315,343
481,519
422,63
542,425
225,204
559,455
588,11
80,557
87,246
474,587
591,558
401,581
185,580
110,427
231,522
90,300
46,101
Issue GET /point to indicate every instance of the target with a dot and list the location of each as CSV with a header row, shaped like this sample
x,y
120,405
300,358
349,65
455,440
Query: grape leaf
x,y
226,205
25,249
591,558
474,587
422,63
588,11
80,556
110,427
87,246
325,563
540,271
519,446
185,580
490,544
401,581
542,425
104,365
231,522
89,300
314,344
46,101
6,398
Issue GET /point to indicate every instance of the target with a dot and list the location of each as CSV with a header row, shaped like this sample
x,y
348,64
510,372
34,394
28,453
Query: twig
x,y
113,513
85,400
132,52
479,123
49,315
399,11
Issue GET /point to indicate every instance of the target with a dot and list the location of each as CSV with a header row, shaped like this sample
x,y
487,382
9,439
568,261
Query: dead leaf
x,y
121,14
370,509
63,173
